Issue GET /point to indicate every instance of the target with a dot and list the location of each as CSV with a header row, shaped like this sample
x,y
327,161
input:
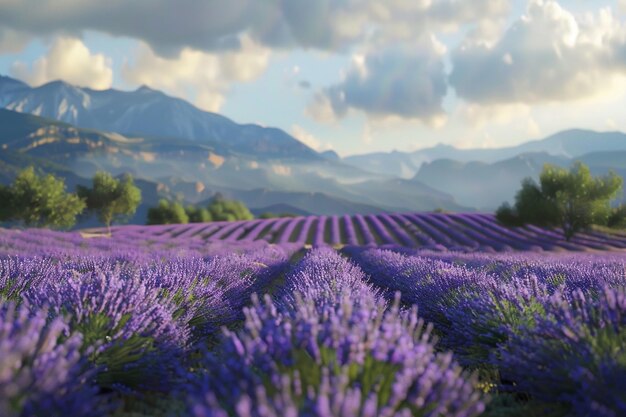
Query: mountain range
x,y
178,151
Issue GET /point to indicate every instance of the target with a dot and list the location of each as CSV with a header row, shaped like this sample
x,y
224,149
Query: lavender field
x,y
429,231
387,315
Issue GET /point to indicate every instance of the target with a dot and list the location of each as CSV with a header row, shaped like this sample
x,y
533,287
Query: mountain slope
x,y
194,171
487,185
567,144
484,185
148,113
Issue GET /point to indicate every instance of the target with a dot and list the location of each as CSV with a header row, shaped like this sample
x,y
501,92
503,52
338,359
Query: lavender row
x,y
83,332
550,327
429,231
329,345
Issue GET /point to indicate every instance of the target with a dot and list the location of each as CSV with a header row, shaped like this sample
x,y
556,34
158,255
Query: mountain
x,y
193,171
148,113
566,144
487,185
310,202
280,209
484,185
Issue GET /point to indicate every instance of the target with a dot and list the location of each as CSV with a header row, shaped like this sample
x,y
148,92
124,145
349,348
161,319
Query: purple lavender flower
x,y
42,372
574,357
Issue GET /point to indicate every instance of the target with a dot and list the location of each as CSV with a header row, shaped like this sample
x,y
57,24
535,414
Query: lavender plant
x,y
42,370
574,358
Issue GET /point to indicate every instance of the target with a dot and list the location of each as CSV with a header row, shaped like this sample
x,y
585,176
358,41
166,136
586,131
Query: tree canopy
x,y
198,214
111,198
167,213
218,209
221,209
39,201
571,199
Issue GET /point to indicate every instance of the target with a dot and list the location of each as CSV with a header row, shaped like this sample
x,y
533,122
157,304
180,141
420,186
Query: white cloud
x,y
70,60
305,137
548,55
168,26
321,109
405,81
207,76
367,136
533,129
478,116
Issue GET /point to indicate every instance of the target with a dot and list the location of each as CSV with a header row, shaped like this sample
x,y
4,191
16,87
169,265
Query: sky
x,y
354,76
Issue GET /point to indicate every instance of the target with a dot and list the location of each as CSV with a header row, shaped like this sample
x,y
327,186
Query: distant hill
x,y
193,171
280,209
487,185
148,113
484,185
190,154
566,144
312,202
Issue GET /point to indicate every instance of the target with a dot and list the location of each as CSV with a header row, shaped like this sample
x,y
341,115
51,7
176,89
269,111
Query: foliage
x,y
571,199
167,213
6,209
110,198
198,215
270,215
228,210
617,218
39,201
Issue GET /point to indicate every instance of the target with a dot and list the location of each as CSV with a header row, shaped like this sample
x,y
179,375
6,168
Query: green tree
x,y
198,215
40,201
6,209
228,210
571,199
110,198
270,215
167,213
617,218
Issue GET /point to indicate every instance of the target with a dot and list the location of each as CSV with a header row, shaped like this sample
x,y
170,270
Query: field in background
x,y
432,231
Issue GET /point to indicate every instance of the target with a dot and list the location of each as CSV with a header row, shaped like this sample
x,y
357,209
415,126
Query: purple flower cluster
x,y
331,346
574,355
553,328
159,320
42,371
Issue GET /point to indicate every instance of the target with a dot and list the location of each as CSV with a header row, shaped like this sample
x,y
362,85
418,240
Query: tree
x,y
571,199
228,210
198,215
167,213
617,218
110,198
270,215
6,209
40,201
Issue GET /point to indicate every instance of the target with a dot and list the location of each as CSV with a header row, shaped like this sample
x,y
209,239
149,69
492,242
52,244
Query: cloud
x,y
408,82
478,116
548,55
207,76
12,41
70,60
304,84
210,25
309,139
305,137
